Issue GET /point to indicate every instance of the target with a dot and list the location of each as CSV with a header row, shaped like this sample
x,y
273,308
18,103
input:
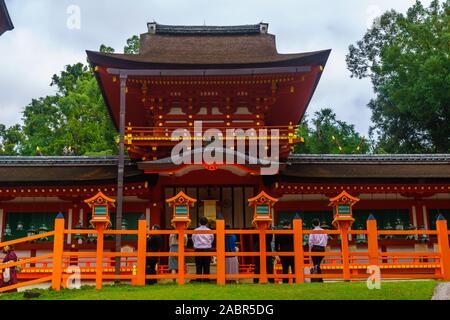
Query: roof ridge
x,y
166,29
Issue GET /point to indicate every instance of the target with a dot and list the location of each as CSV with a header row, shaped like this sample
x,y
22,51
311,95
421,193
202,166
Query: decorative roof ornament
x,y
156,28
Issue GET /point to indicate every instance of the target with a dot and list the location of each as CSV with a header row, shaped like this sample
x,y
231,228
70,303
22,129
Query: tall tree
x,y
324,134
407,58
75,120
132,46
10,140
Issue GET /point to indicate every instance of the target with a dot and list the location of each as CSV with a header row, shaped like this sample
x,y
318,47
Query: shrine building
x,y
5,20
224,78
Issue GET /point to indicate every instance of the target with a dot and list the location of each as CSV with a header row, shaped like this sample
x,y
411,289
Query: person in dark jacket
x,y
154,243
285,243
269,259
231,263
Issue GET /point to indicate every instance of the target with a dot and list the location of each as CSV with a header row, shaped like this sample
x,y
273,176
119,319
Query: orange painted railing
x,y
339,265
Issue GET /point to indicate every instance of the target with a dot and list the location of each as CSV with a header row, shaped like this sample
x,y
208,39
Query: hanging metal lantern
x,y
424,237
124,224
360,238
388,227
8,231
411,227
43,229
19,226
91,237
78,237
31,232
399,226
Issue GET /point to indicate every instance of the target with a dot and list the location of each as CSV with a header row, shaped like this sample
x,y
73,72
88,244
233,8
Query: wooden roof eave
x,y
123,61
100,195
181,194
5,21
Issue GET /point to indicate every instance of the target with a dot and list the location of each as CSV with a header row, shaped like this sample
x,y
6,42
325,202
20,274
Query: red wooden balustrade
x,y
98,265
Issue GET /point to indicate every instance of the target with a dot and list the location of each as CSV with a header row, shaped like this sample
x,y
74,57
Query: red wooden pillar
x,y
141,251
298,251
262,254
181,229
344,227
372,240
58,249
220,247
99,257
444,248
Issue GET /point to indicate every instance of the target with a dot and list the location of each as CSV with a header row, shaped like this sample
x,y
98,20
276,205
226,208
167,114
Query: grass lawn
x,y
402,290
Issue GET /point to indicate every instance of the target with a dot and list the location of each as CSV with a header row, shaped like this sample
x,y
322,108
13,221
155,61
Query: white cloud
x,y
41,44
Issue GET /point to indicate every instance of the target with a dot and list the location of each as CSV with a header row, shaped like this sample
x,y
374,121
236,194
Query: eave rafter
x,y
410,190
69,192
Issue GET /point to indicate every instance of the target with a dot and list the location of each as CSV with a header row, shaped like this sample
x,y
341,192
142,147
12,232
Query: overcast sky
x,y
42,44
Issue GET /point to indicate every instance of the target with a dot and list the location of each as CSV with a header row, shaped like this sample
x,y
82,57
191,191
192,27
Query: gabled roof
x,y
5,21
206,46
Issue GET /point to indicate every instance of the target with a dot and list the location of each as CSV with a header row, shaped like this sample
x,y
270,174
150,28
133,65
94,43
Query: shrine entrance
x,y
229,201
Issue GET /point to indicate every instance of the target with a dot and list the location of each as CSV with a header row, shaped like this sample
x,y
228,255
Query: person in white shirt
x,y
203,243
317,243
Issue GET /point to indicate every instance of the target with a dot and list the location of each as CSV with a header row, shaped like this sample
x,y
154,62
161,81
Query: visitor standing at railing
x,y
9,274
231,263
154,243
173,244
203,243
269,259
285,243
317,243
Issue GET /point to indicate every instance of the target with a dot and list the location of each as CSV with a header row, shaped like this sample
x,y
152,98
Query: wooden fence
x,y
340,265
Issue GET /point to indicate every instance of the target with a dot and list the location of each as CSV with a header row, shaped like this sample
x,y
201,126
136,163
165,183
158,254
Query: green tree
x,y
75,120
407,58
133,45
324,134
10,140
